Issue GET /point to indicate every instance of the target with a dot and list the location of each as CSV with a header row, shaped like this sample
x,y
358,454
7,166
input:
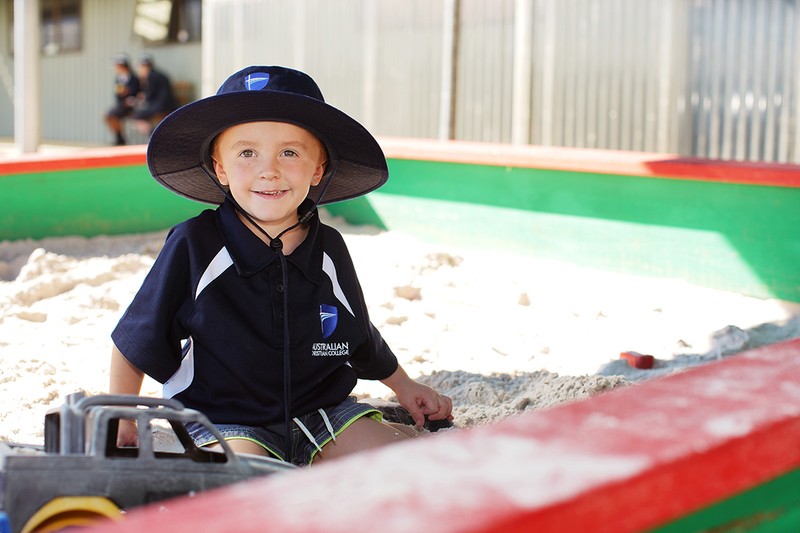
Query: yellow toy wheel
x,y
71,511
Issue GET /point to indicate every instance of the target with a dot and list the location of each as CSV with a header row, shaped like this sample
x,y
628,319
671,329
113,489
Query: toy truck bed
x,y
81,474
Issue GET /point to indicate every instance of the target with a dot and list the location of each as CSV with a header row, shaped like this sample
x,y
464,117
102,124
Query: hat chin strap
x,y
274,242
277,246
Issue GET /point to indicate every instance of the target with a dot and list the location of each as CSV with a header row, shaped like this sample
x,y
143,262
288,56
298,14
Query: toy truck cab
x,y
81,474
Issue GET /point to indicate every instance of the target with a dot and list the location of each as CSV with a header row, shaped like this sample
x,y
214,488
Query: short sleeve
x,y
373,359
150,332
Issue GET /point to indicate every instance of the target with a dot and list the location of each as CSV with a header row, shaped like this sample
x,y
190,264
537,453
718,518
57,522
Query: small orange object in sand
x,y
637,360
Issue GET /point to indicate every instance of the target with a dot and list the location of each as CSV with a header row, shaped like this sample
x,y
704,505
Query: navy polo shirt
x,y
208,322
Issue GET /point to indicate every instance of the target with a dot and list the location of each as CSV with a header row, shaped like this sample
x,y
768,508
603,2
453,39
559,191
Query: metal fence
x,y
744,80
709,78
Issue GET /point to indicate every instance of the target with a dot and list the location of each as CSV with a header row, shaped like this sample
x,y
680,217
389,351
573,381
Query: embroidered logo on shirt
x,y
330,349
328,318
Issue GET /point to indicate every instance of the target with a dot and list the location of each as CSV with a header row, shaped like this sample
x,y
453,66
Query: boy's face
x,y
269,168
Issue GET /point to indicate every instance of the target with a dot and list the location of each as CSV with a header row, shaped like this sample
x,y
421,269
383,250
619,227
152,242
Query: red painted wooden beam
x,y
644,164
79,160
619,162
623,461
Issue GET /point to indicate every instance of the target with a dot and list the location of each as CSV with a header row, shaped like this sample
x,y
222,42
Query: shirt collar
x,y
251,255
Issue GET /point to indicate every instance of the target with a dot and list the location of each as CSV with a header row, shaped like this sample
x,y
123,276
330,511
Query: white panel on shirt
x,y
329,268
180,380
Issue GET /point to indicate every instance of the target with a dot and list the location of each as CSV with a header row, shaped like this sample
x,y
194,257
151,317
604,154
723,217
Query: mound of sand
x,y
499,334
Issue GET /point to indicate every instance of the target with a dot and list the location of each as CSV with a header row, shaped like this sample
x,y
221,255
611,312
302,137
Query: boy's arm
x,y
419,399
125,379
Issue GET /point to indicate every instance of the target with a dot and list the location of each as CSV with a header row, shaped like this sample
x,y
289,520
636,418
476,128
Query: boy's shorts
x,y
272,437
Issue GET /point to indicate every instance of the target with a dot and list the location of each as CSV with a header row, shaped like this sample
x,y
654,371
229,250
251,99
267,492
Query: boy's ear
x,y
318,173
219,170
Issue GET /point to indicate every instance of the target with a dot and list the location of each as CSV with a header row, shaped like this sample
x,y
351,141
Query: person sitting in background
x,y
156,100
126,87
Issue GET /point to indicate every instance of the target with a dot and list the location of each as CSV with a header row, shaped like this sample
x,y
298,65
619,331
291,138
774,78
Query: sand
x,y
500,334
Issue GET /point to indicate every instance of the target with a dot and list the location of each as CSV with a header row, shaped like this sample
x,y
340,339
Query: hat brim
x,y
179,146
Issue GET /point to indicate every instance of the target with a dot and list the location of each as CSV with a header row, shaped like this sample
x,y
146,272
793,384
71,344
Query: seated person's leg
x,y
142,126
243,446
156,119
114,121
363,434
241,439
146,123
142,120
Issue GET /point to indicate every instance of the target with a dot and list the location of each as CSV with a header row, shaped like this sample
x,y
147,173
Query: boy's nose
x,y
269,169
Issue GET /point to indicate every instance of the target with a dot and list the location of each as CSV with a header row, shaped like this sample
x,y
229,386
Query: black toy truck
x,y
80,475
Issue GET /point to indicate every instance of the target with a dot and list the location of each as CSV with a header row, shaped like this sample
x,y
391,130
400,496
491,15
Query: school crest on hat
x,y
256,81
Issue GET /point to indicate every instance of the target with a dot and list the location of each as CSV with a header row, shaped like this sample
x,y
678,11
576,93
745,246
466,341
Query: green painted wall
x,y
88,202
743,238
772,507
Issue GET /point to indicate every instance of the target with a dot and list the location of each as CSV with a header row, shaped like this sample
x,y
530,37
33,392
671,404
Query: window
x,y
61,26
167,21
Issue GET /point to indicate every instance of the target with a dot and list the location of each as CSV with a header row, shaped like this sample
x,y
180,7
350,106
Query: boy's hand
x,y
420,400
127,434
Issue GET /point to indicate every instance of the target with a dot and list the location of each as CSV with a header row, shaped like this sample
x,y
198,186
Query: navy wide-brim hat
x,y
180,147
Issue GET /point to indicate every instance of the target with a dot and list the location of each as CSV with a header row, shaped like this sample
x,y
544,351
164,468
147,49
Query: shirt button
x,y
279,288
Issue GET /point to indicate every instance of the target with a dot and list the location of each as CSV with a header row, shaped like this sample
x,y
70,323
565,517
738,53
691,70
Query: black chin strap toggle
x,y
276,244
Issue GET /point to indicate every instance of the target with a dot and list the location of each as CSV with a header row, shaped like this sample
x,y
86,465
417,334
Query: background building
x,y
708,78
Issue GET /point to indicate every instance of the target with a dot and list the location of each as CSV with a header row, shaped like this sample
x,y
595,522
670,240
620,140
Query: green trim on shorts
x,y
373,414
254,441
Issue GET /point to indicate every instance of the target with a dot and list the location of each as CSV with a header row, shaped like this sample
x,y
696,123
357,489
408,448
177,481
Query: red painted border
x,y
642,164
645,164
80,160
624,461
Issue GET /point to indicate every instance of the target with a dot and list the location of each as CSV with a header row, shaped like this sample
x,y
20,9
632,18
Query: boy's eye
x,y
247,153
289,153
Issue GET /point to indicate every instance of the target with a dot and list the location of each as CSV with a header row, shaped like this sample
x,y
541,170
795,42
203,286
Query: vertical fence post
x,y
207,49
547,26
521,91
370,61
300,32
447,109
665,77
237,31
27,126
795,156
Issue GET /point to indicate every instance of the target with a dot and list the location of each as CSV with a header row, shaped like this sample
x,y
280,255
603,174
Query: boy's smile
x,y
269,168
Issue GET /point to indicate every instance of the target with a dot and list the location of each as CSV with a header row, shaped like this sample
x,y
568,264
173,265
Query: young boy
x,y
252,312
